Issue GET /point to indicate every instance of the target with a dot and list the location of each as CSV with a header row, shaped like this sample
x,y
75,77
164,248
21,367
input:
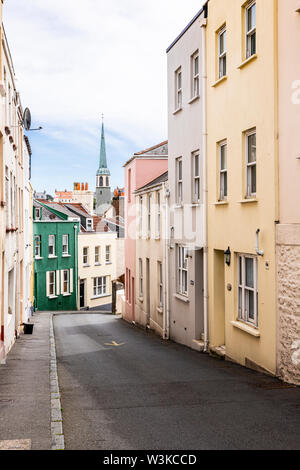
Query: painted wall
x,y
59,302
245,99
288,231
88,273
185,129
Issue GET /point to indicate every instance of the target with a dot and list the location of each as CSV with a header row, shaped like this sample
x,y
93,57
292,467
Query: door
x,y
148,290
82,294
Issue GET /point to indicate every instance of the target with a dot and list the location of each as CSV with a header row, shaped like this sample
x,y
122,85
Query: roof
x,y
78,208
64,194
157,151
61,207
203,9
159,180
103,170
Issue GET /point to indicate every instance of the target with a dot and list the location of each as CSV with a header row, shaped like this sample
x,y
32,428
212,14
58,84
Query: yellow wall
x,y
244,100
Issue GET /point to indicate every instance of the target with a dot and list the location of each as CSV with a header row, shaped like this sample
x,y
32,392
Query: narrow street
x,y
124,388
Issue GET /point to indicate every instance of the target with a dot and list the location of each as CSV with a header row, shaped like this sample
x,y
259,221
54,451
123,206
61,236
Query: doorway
x,y
148,291
82,294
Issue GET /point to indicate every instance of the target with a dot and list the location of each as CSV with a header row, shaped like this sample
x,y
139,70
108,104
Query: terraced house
x,y
55,235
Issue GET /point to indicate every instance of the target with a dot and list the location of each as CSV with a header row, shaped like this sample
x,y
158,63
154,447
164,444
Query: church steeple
x,y
103,170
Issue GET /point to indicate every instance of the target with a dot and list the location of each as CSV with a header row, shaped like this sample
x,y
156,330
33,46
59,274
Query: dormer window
x,y
89,224
37,213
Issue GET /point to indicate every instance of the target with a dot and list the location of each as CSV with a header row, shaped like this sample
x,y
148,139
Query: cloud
x,y
75,60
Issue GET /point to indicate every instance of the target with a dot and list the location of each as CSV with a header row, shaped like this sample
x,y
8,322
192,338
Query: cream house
x,y
151,255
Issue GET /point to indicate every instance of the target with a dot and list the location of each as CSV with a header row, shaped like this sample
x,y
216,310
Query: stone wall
x,y
288,291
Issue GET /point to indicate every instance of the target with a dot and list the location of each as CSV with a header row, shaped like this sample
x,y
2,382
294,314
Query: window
x,y
85,256
178,88
107,254
251,30
66,283
160,285
247,286
51,245
149,215
196,177
182,270
129,185
65,243
141,216
99,286
222,52
37,246
141,277
37,213
179,179
51,286
251,163
158,213
97,254
101,181
195,75
89,224
223,171
107,181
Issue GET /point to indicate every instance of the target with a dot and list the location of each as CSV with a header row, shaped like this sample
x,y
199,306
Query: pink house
x,y
142,168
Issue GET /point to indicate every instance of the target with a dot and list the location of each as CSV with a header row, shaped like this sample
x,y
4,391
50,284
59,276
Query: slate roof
x,y
159,180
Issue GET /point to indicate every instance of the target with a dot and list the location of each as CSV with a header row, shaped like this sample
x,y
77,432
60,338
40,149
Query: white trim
x,y
57,283
47,283
71,281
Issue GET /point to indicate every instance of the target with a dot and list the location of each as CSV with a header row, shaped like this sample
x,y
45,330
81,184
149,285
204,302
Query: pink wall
x,y
289,111
142,171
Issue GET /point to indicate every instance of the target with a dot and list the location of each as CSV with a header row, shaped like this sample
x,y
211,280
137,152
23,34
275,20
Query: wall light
x,y
227,255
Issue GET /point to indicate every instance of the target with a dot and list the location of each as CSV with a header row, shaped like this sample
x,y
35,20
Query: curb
x,y
58,441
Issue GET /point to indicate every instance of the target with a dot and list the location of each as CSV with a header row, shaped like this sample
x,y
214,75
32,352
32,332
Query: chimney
x,y
82,186
86,186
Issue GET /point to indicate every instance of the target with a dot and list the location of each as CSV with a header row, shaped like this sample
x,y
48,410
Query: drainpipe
x,y
166,265
258,251
204,152
76,273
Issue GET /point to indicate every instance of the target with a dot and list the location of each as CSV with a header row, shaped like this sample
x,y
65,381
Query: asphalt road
x,y
154,395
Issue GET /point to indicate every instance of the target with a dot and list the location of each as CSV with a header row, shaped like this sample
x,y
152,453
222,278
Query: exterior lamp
x,y
227,255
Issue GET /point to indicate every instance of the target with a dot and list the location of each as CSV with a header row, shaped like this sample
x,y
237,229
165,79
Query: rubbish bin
x,y
28,328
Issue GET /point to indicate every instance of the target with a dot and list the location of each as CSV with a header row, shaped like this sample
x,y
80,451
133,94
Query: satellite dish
x,y
27,119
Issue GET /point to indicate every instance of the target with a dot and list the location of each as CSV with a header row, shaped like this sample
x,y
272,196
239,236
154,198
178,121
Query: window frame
x,y
141,216
250,165
51,245
195,75
178,88
223,172
97,255
250,32
243,313
52,283
160,285
99,286
89,224
158,214
222,56
37,213
85,255
108,254
37,246
141,279
182,270
66,282
65,244
179,180
149,204
196,197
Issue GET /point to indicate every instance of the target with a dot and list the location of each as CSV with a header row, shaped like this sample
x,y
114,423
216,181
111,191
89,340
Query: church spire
x,y
103,170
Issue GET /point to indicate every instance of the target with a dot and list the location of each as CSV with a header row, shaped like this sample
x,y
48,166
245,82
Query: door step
x,y
219,351
198,345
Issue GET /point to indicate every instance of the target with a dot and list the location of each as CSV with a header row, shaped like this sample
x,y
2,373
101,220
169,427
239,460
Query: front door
x,y
82,294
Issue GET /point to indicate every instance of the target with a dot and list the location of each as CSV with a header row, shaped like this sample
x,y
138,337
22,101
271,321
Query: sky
x,y
75,60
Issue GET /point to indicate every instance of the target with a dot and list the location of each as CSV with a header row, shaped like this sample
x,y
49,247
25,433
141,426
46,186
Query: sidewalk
x,y
25,390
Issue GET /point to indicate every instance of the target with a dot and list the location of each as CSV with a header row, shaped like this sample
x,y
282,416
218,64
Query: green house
x,y
55,241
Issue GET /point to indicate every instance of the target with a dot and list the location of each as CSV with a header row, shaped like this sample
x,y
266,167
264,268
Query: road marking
x,y
113,343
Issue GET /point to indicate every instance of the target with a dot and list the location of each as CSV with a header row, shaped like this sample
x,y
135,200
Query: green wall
x,y
41,266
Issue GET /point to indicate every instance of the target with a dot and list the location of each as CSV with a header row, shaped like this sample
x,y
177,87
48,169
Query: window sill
x,y
178,206
141,299
221,203
38,257
67,295
196,204
177,110
182,298
108,262
157,237
52,257
218,82
248,201
195,98
159,310
97,264
100,296
247,61
66,256
86,266
251,330
52,297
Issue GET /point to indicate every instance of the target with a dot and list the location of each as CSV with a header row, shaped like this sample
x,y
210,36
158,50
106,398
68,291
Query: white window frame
x,y
195,91
99,286
108,254
141,279
222,54
66,282
97,255
89,225
65,244
51,245
244,290
52,284
223,172
158,231
249,166
141,216
250,32
182,270
37,213
149,214
85,256
179,180
37,246
160,285
196,184
178,88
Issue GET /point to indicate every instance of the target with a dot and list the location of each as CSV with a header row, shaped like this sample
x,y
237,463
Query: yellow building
x,y
242,179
